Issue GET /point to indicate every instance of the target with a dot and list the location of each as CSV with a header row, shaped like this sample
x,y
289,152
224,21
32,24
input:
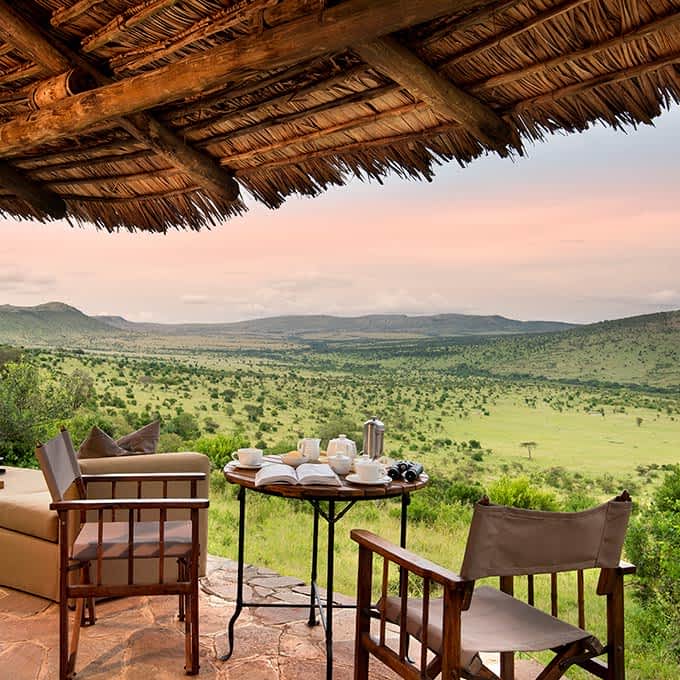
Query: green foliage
x,y
184,425
653,544
667,497
31,406
219,447
341,425
9,354
519,493
169,442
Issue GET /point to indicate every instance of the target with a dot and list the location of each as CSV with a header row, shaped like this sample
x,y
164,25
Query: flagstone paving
x,y
140,638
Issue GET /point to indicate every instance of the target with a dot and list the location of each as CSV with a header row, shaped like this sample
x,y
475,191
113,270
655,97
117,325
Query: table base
x,y
331,516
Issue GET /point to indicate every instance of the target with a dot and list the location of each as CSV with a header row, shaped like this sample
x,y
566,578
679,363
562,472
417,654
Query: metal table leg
x,y
313,621
239,579
329,589
403,574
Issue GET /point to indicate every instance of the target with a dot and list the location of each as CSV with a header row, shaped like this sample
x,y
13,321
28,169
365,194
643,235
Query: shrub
x,y
219,447
653,544
519,493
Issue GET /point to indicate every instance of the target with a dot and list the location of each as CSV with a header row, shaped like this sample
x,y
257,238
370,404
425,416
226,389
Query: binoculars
x,y
405,470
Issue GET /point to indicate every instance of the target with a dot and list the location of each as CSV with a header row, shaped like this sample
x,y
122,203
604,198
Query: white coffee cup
x,y
369,470
248,456
309,447
341,464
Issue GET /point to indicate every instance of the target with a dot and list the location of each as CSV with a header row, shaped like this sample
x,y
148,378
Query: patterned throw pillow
x,y
98,444
144,440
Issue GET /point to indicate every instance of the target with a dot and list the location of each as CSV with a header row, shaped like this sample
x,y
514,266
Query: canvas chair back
x,y
506,541
60,467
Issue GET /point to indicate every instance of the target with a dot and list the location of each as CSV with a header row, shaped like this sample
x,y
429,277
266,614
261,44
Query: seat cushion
x,y
30,514
146,540
495,622
22,481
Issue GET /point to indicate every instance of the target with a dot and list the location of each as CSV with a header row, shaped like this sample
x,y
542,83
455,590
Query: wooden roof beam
x,y
41,199
67,14
47,51
343,25
445,98
121,23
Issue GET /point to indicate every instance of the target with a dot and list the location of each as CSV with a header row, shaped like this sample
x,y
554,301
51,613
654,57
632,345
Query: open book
x,y
307,473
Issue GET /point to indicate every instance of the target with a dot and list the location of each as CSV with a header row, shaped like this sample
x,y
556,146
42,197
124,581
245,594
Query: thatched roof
x,y
170,107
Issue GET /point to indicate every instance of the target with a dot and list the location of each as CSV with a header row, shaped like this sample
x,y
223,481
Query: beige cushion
x,y
146,540
144,440
98,444
29,514
24,504
23,480
495,622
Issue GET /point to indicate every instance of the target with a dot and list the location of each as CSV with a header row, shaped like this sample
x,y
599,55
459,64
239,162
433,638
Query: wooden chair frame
x,y
457,596
83,587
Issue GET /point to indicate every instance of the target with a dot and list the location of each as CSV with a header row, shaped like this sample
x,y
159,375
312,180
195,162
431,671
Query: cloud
x,y
309,281
13,280
196,299
665,297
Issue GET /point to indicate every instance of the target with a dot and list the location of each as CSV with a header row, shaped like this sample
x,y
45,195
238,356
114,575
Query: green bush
x,y
32,407
653,545
519,493
219,447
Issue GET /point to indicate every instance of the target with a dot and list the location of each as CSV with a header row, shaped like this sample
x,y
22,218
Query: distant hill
x,y
640,350
309,326
58,324
52,324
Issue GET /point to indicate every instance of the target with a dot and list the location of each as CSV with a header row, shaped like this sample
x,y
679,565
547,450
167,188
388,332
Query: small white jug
x,y
309,447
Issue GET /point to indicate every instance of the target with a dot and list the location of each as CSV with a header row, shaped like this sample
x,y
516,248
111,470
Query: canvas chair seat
x,y
146,540
495,622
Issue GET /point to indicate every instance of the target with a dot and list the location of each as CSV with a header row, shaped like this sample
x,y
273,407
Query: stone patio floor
x,y
140,638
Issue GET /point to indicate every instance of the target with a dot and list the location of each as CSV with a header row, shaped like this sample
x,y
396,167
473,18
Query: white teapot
x,y
341,445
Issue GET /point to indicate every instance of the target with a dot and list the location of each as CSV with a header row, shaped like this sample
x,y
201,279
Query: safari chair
x,y
506,542
83,544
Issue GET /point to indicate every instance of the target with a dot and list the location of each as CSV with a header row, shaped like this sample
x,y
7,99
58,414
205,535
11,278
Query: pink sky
x,y
586,227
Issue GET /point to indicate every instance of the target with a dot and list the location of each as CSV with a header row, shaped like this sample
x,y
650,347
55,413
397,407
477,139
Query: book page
x,y
317,473
276,473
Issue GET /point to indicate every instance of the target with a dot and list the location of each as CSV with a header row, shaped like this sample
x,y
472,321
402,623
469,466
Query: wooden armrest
x,y
608,577
626,568
408,560
131,504
145,477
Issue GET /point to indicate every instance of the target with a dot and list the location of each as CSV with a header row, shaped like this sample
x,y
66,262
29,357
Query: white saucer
x,y
243,466
355,479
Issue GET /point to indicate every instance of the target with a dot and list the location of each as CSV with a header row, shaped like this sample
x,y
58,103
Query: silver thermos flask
x,y
374,434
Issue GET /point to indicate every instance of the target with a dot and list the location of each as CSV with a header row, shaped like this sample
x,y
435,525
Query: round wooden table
x,y
346,493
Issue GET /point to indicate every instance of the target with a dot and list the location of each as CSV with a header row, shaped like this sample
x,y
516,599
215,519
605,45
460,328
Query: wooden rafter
x,y
310,137
72,12
474,19
200,30
365,97
638,33
124,22
531,23
36,195
343,25
405,68
290,95
447,128
47,52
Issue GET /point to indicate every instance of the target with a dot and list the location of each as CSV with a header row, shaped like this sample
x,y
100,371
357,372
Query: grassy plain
x,y
602,419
